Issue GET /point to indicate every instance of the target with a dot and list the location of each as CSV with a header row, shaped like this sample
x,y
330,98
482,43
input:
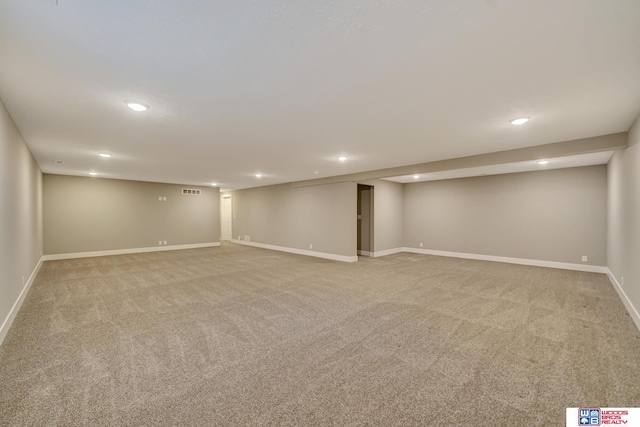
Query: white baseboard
x,y
522,261
343,258
365,253
387,252
625,299
16,306
55,257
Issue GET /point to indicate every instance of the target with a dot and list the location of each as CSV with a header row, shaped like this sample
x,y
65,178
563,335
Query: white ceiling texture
x,y
283,87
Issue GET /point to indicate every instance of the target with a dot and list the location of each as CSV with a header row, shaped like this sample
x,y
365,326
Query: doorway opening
x,y
365,220
226,218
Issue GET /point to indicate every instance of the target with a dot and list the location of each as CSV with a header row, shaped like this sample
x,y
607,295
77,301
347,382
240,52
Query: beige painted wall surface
x,y
281,215
20,214
93,214
623,248
555,215
388,215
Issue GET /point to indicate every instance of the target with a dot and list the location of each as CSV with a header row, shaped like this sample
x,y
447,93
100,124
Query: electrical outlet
x,y
160,198
622,281
584,258
160,242
247,238
164,199
421,245
310,246
164,243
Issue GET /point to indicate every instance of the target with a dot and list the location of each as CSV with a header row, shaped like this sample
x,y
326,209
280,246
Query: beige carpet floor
x,y
243,336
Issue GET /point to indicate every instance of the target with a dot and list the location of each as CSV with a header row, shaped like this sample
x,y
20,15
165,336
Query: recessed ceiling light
x,y
258,175
316,172
416,176
105,155
214,184
543,162
136,106
93,173
519,122
342,158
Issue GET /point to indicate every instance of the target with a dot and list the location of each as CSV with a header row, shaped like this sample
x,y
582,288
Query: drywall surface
x,y
20,217
555,215
319,218
623,244
83,214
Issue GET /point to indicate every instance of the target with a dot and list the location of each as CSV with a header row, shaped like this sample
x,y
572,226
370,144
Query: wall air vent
x,y
191,191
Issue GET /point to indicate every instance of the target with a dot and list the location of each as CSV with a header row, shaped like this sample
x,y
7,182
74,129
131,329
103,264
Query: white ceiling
x,y
283,87
590,159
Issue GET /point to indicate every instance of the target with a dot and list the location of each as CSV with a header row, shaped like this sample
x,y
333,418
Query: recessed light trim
x,y
342,158
519,121
416,176
105,155
137,106
214,184
258,175
543,162
93,173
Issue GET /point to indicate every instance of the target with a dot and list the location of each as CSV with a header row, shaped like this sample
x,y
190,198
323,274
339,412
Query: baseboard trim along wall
x,y
387,252
55,257
380,253
16,306
625,299
522,261
324,255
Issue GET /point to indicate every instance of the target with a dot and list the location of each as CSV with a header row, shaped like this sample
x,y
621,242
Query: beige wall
x,y
387,214
320,215
555,215
623,242
20,216
83,214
